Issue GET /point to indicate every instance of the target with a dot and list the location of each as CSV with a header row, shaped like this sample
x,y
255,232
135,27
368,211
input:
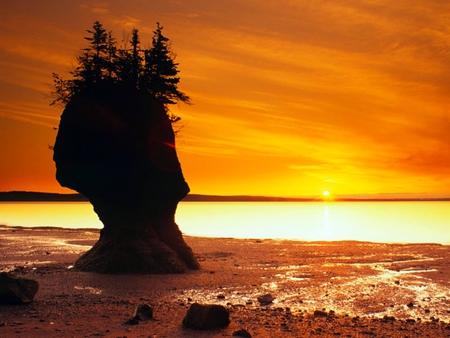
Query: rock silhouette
x,y
116,146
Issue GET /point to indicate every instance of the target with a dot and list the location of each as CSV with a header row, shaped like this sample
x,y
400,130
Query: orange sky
x,y
291,98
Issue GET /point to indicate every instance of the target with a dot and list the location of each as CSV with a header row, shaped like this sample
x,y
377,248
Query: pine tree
x,y
153,70
96,56
94,65
112,50
123,66
136,59
160,71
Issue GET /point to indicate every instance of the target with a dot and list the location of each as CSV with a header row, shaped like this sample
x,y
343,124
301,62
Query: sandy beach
x,y
321,289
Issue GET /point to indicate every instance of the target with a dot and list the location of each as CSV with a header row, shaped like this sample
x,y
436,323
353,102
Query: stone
x,y
15,290
116,146
265,299
132,321
206,317
242,333
389,319
320,313
142,312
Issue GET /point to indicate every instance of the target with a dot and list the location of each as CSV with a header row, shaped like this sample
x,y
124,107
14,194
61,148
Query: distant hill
x,y
30,196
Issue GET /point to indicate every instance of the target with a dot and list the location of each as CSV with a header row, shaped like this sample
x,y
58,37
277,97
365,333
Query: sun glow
x,y
327,196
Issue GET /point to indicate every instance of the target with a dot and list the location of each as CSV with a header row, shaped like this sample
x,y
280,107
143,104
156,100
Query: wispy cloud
x,y
95,8
28,112
347,93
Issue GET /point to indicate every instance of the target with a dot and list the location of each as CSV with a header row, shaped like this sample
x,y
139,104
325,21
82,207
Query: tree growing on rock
x,y
160,75
116,146
152,70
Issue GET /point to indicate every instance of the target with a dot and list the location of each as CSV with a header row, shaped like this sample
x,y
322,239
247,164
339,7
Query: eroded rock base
x,y
134,252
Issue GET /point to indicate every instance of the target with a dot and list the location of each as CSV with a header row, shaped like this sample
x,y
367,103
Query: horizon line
x,y
35,196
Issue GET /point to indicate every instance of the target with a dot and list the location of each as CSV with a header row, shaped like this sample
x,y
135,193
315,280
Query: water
x,y
404,222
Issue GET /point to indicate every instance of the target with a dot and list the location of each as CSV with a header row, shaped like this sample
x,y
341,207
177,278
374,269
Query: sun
x,y
326,193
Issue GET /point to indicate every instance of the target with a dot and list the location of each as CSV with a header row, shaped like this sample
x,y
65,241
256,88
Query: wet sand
x,y
364,289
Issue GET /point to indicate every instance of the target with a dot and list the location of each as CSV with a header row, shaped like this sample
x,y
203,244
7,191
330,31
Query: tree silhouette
x,y
151,70
136,58
160,71
95,59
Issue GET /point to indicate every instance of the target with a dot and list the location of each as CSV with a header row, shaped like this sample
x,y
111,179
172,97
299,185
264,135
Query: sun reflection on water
x,y
407,222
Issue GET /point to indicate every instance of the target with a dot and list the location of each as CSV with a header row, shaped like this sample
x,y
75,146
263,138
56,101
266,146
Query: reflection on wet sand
x,y
370,285
405,281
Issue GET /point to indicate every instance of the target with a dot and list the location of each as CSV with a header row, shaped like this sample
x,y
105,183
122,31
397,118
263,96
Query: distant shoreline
x,y
31,196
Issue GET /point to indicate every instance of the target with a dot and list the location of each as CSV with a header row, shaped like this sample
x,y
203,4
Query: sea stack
x,y
116,146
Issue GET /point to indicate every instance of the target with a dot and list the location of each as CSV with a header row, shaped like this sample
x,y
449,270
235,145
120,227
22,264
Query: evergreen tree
x,y
123,66
97,55
153,70
94,65
160,71
112,50
136,58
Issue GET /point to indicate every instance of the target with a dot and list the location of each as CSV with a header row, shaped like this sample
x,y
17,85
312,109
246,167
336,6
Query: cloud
x,y
351,92
98,8
127,22
28,112
28,119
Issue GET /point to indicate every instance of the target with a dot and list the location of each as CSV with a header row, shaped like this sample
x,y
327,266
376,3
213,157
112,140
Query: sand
x,y
364,289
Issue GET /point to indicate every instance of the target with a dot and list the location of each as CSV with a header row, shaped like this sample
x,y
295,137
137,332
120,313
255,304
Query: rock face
x,y
116,146
206,317
16,290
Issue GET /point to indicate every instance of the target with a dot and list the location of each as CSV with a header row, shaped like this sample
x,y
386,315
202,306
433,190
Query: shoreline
x,y
362,287
33,196
287,240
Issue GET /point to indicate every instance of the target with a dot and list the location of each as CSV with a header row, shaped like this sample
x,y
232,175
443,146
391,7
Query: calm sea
x,y
406,222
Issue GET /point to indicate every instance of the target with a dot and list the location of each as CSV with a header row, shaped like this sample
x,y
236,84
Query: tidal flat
x,y
326,289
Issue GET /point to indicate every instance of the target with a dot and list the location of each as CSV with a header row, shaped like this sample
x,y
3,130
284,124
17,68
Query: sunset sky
x,y
290,97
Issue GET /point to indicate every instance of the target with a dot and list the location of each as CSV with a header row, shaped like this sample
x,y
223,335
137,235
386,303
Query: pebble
x,y
320,313
265,299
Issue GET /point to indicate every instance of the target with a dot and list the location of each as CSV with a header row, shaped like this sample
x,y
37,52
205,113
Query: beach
x,y
320,289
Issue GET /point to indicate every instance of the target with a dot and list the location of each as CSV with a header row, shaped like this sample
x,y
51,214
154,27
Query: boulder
x,y
15,290
143,312
242,333
206,317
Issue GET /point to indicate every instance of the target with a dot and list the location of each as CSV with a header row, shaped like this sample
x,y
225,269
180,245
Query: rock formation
x,y
116,146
